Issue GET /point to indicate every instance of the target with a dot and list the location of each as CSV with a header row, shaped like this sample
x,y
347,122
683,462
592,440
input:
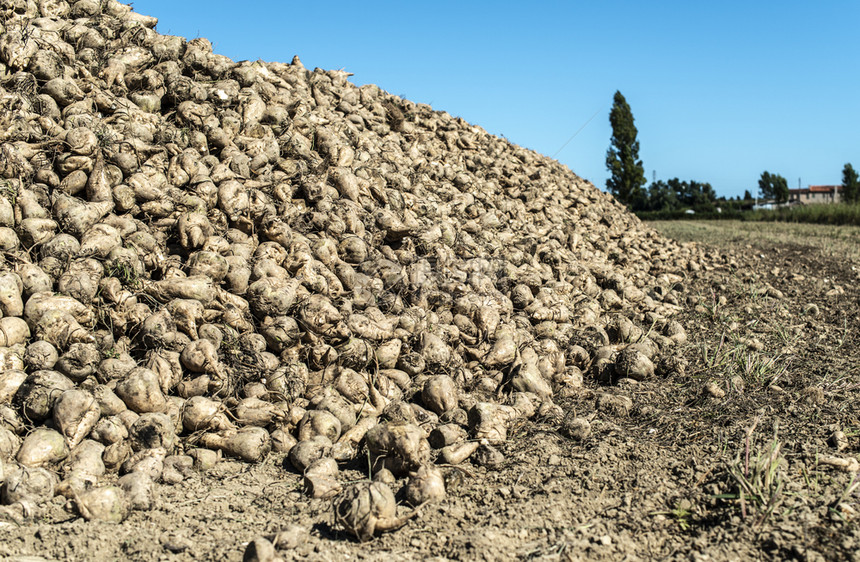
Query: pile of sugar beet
x,y
206,258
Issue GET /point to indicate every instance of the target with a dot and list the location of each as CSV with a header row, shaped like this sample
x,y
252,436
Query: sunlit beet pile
x,y
206,258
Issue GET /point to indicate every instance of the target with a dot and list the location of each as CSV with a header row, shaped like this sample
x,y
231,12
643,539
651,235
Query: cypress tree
x,y
627,175
850,184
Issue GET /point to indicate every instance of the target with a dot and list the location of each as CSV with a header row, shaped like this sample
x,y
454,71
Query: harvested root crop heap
x,y
205,256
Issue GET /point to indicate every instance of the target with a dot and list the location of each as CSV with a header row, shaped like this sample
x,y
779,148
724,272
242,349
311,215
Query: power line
x,y
577,132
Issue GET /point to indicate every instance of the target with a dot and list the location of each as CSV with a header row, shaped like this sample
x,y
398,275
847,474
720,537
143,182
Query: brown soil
x,y
652,483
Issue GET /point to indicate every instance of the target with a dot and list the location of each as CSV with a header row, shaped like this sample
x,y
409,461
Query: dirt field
x,y
768,403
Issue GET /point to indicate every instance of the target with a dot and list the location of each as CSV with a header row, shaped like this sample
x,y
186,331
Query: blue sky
x,y
721,91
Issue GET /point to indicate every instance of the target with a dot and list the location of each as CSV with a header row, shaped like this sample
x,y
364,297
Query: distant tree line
x,y
675,194
627,174
627,177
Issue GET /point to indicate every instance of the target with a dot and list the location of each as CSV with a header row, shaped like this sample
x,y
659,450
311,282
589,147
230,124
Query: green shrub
x,y
826,213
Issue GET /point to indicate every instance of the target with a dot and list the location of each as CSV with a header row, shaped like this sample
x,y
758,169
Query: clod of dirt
x,y
672,366
260,550
614,404
813,394
290,537
177,468
838,440
488,456
714,391
576,428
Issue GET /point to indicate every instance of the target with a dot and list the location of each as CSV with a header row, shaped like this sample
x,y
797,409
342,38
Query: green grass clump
x,y
757,478
825,213
822,213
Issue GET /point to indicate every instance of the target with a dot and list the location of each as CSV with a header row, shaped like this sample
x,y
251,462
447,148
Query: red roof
x,y
824,188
